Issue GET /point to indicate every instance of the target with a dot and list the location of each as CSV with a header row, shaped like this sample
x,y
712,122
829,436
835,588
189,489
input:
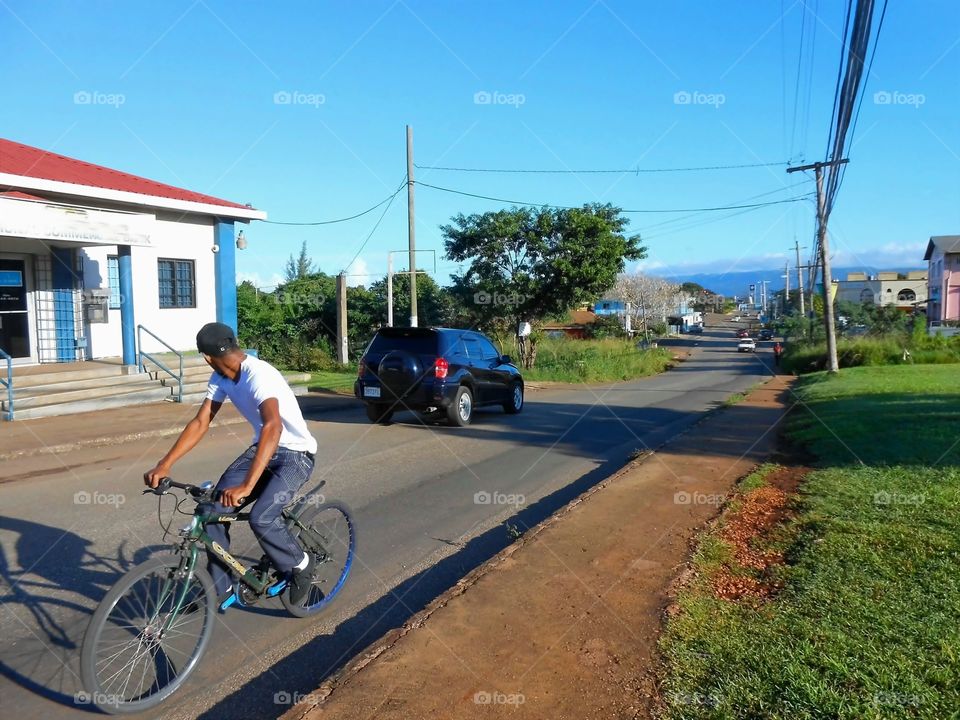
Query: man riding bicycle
x,y
271,471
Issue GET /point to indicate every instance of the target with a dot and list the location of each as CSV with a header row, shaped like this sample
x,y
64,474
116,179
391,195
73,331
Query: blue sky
x,y
191,93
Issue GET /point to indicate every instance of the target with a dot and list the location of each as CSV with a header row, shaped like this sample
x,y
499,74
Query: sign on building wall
x,y
45,221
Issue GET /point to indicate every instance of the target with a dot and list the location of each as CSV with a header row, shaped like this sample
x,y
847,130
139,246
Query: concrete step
x,y
105,381
57,397
49,378
134,398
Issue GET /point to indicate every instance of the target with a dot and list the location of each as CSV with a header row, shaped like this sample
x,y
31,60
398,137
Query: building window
x,y
113,281
866,296
176,283
907,296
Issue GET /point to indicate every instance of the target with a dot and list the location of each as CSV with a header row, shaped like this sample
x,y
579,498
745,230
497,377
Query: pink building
x,y
943,258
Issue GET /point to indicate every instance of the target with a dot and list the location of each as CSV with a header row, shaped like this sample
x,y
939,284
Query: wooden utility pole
x,y
796,246
411,232
786,286
342,347
833,365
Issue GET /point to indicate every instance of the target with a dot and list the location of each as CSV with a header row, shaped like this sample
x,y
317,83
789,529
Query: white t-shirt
x,y
259,381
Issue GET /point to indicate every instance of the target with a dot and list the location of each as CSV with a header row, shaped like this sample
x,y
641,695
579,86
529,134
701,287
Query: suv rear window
x,y
412,341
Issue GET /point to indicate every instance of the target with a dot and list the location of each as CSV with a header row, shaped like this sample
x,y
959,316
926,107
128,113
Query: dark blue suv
x,y
437,372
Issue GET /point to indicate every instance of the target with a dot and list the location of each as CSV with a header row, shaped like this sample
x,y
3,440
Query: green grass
x,y
338,382
609,360
868,622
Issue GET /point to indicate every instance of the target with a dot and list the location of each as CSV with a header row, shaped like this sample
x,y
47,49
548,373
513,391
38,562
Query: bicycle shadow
x,y
49,586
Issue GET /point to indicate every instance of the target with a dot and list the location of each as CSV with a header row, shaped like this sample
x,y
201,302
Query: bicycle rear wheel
x,y
326,531
136,652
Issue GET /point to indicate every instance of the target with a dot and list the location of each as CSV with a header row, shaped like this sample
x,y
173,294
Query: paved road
x,y
412,488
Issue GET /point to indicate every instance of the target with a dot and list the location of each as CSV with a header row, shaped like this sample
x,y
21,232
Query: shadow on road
x,y
42,645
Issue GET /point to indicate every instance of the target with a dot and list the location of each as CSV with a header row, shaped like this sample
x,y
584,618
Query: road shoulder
x,y
564,623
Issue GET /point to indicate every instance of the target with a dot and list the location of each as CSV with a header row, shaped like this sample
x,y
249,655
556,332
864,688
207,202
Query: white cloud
x,y
358,273
258,281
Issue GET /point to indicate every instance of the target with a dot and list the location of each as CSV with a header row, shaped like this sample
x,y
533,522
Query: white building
x,y
88,254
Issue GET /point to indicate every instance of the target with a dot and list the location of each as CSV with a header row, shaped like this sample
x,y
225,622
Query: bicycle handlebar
x,y
167,483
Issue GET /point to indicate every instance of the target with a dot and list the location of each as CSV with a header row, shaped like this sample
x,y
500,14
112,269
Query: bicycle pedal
x,y
232,599
277,588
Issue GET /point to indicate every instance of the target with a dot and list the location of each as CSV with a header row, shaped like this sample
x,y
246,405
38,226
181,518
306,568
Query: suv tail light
x,y
362,367
440,368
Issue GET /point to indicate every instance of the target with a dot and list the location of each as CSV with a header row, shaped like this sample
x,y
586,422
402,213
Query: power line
x,y
635,171
744,200
570,207
379,220
340,220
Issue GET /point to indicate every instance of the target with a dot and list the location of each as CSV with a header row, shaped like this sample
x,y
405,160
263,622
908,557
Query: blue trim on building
x,y
225,272
63,286
128,322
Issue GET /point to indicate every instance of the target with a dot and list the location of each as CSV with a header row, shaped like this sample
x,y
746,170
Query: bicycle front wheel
x,y
326,531
147,635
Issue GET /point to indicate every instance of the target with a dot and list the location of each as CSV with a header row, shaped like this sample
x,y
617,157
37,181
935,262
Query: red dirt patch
x,y
748,529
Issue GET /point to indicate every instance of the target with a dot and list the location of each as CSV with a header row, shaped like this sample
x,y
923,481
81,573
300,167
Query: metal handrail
x,y
8,383
156,361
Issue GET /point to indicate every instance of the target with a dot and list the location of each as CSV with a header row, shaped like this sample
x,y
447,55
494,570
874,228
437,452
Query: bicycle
x,y
149,632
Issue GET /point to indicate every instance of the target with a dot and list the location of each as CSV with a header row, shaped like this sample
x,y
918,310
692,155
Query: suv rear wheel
x,y
379,413
460,411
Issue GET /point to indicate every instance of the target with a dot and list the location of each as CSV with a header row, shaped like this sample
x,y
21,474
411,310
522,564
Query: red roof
x,y
17,195
18,159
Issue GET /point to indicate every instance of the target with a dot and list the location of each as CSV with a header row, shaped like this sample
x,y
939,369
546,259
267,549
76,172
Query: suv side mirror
x,y
505,360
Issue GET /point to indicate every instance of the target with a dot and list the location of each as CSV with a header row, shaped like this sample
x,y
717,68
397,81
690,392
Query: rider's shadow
x,y
50,584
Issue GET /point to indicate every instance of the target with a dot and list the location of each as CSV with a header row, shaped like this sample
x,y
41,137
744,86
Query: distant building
x,y
904,290
576,326
943,272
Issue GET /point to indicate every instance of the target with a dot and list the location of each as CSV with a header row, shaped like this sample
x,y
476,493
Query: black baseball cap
x,y
216,339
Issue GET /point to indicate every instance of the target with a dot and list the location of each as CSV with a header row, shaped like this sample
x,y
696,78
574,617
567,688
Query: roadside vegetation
x,y
855,611
605,360
869,336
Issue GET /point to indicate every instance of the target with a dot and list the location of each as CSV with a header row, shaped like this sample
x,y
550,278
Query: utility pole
x,y
342,354
796,246
411,233
833,365
786,286
389,289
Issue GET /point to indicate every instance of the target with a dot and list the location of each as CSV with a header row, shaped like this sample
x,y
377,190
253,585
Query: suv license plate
x,y
371,392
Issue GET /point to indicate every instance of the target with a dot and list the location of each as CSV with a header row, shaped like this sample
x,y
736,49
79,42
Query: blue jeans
x,y
285,474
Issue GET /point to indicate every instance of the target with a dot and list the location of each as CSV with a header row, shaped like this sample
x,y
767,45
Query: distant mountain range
x,y
738,283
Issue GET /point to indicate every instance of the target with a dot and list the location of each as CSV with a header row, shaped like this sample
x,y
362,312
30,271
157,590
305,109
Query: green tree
x,y
434,304
527,264
299,267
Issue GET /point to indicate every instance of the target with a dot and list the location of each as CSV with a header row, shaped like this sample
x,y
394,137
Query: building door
x,y
14,313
